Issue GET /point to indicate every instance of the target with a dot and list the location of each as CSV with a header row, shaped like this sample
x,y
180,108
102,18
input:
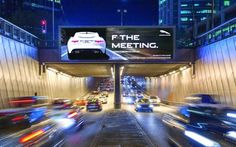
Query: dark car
x,y
202,125
62,103
143,105
94,105
201,98
24,112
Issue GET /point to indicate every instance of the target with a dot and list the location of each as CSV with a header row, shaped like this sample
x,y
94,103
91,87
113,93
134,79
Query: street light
x,y
122,12
53,21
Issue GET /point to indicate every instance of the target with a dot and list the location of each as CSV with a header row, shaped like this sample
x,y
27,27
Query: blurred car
x,y
155,100
25,111
95,92
105,93
80,102
139,96
94,105
61,103
143,105
202,125
50,132
43,134
129,99
84,43
201,98
103,99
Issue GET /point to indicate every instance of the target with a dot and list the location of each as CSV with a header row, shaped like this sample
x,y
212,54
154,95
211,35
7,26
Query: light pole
x,y
53,21
122,12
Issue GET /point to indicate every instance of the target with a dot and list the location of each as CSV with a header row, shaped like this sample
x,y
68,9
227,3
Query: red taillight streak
x,y
72,115
22,101
99,41
75,41
18,118
31,136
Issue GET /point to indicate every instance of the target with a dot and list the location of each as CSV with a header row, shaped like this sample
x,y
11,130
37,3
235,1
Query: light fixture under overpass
x,y
52,69
121,70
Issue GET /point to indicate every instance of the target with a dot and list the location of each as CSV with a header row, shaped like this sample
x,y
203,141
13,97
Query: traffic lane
x,y
85,136
92,127
152,123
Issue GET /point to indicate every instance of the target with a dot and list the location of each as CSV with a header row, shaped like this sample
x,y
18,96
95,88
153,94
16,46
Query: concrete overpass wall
x,y
19,75
215,72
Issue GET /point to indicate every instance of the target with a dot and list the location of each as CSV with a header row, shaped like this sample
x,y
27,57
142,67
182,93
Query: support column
x,y
117,101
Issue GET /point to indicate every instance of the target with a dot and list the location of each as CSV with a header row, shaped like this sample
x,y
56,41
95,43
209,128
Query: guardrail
x,y
220,32
12,31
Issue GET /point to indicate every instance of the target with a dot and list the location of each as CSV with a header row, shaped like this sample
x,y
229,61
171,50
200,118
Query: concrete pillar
x,y
117,101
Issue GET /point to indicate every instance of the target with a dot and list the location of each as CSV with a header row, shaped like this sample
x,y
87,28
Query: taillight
x,y
99,41
31,136
75,41
73,114
18,118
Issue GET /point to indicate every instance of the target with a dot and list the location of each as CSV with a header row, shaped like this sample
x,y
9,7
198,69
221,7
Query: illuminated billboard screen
x,y
116,43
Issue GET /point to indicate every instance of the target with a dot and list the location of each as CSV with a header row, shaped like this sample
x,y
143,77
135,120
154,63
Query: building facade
x,y
184,13
28,14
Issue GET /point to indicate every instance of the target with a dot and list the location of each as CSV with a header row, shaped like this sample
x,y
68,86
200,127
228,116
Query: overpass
x,y
29,67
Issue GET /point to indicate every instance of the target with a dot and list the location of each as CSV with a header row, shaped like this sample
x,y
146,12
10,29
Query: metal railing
x,y
12,31
220,32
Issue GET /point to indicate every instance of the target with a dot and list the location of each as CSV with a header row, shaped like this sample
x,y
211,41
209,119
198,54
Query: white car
x,y
103,99
86,42
155,100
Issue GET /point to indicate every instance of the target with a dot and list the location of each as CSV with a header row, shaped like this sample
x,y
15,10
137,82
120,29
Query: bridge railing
x,y
12,31
220,32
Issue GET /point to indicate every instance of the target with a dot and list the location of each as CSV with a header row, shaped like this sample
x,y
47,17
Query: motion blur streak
x,y
31,136
201,139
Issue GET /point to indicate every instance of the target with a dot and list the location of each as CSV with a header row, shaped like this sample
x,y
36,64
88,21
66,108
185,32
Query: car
x,y
94,105
139,96
80,102
129,99
33,108
86,43
143,105
155,100
61,103
103,99
202,98
95,92
201,125
105,93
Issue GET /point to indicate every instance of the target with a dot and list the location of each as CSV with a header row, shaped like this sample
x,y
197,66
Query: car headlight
x,y
65,123
151,106
139,106
231,135
233,115
201,139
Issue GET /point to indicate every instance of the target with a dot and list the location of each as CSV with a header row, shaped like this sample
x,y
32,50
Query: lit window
x,y
185,12
196,5
184,18
226,3
184,5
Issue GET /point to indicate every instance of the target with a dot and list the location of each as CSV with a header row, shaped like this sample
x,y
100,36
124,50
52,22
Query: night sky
x,y
104,12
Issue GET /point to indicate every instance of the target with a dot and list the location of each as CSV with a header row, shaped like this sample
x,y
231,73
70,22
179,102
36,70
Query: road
x,y
120,127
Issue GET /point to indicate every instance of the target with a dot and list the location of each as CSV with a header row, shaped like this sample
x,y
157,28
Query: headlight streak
x,y
201,139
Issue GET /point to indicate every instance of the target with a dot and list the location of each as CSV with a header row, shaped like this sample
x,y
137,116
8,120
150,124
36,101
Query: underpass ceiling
x,y
104,69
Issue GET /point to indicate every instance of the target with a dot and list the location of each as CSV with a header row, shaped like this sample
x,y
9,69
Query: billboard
x,y
116,43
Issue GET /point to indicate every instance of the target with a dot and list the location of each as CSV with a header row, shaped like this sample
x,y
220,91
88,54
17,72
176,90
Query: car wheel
x,y
71,56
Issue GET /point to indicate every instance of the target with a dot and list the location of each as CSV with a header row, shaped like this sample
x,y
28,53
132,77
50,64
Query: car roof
x,y
86,34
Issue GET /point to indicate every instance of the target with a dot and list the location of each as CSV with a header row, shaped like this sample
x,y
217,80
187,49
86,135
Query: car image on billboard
x,y
116,43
